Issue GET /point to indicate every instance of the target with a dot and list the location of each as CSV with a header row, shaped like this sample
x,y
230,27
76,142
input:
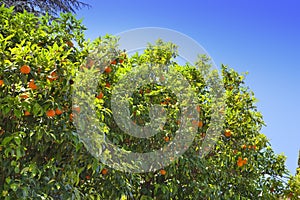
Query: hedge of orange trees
x,y
42,156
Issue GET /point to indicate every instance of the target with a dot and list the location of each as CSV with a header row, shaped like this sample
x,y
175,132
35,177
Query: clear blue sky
x,y
261,37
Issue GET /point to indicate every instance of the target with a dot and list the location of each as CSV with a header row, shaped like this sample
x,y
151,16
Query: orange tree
x,y
294,183
42,154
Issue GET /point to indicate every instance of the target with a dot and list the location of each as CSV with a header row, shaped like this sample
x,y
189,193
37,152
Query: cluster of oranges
x,y
244,146
52,113
25,69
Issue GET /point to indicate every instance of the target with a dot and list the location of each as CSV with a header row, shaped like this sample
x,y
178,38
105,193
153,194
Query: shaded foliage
x,y
53,7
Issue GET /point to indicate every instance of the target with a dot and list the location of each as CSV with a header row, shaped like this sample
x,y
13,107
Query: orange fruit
x,y
24,96
254,147
50,113
32,85
198,108
77,109
53,76
200,124
240,162
100,95
88,177
107,69
227,133
1,82
167,138
113,62
71,117
58,111
25,69
245,160
244,146
107,85
104,171
26,113
163,172
164,103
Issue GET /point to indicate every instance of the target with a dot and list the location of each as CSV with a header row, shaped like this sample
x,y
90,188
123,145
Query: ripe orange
x,y
24,96
107,69
163,172
107,85
71,117
198,108
77,109
113,62
242,161
227,133
200,124
100,95
167,138
50,113
32,85
1,82
25,69
26,113
88,177
58,111
53,76
244,146
104,171
245,160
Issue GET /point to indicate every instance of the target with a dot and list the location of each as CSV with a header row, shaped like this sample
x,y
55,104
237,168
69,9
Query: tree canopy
x,y
43,155
52,7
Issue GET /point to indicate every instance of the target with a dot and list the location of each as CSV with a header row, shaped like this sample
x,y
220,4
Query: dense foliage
x,y
42,156
53,7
